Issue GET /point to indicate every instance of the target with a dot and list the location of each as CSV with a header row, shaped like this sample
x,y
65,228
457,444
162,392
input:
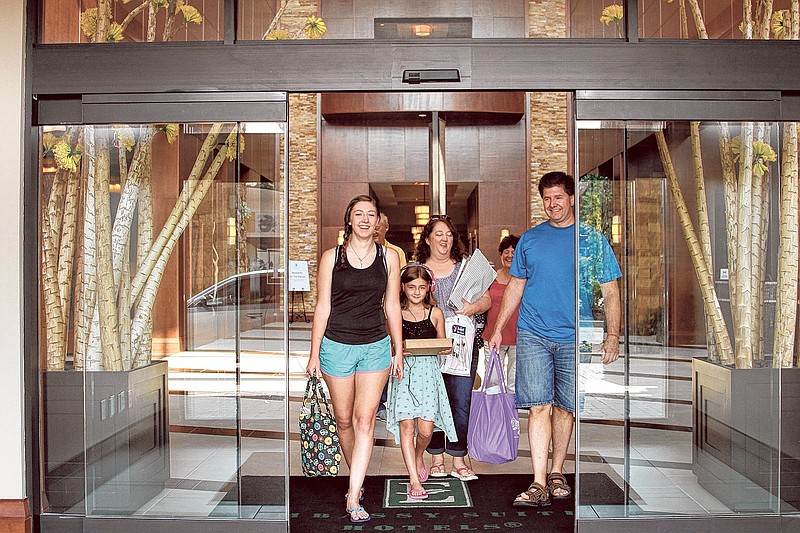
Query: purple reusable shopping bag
x,y
493,435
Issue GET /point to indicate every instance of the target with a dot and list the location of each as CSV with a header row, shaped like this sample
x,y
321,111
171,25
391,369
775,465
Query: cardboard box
x,y
426,346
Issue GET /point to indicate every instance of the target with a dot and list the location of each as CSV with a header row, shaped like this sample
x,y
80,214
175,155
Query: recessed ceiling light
x,y
422,30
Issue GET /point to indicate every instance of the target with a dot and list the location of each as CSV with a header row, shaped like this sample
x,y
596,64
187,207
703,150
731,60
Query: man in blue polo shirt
x,y
543,280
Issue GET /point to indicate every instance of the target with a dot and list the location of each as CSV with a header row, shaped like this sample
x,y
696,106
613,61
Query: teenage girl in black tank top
x,y
358,284
357,302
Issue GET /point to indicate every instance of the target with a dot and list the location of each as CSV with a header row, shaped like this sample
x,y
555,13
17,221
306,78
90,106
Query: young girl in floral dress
x,y
419,398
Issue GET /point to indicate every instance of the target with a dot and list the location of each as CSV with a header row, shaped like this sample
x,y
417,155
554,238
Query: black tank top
x,y
357,315
424,329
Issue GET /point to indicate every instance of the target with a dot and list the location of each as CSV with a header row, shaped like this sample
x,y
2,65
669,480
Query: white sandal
x,y
464,473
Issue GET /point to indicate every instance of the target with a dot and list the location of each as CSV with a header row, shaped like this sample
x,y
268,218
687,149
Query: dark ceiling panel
x,y
369,65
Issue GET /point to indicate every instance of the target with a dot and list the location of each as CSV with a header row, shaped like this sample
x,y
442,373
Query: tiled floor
x,y
206,452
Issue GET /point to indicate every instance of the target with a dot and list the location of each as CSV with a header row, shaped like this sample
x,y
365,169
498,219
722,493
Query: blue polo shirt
x,y
545,258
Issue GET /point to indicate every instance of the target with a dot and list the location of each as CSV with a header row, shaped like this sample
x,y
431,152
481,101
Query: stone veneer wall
x,y
297,11
303,135
548,111
303,224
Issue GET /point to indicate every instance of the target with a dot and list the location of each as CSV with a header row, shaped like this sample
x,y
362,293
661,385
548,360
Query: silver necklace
x,y
361,259
415,316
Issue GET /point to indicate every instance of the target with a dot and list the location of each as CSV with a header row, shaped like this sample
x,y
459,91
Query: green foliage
x,y
595,203
596,211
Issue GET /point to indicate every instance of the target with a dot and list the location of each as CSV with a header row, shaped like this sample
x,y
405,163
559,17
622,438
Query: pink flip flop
x,y
422,474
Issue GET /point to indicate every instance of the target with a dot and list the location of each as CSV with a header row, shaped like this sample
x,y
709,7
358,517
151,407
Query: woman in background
x,y
508,351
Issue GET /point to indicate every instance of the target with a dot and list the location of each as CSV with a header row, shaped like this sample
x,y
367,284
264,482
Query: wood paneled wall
x,y
359,153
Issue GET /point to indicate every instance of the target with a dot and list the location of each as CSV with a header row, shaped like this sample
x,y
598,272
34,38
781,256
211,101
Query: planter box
x,y
746,431
106,439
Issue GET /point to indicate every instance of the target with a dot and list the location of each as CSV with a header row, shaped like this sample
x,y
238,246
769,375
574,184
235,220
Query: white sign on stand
x,y
298,276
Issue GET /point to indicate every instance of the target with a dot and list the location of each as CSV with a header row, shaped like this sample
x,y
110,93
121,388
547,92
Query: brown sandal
x,y
557,481
535,496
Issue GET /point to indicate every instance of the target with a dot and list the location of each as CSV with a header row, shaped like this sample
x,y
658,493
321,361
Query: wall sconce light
x,y
422,30
422,213
616,229
340,238
504,233
231,231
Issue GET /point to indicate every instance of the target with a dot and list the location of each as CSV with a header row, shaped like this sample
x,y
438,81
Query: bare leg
x,y
363,401
562,423
343,394
424,433
459,462
409,452
539,435
437,460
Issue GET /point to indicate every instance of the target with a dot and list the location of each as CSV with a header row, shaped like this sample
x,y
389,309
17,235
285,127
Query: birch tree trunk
x,y
744,259
760,246
106,295
77,361
786,305
103,20
174,231
84,357
747,19
145,242
701,269
155,251
765,19
729,185
698,19
703,224
684,19
54,314
121,233
66,252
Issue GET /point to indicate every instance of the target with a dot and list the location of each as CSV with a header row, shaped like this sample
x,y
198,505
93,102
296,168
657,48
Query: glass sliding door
x,y
696,419
164,382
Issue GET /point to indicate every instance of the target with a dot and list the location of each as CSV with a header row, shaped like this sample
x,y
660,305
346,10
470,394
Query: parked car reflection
x,y
240,303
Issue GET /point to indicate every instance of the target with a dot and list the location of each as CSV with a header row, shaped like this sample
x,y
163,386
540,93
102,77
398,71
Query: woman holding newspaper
x,y
440,249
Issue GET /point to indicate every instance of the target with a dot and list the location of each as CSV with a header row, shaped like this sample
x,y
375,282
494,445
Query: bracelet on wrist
x,y
612,335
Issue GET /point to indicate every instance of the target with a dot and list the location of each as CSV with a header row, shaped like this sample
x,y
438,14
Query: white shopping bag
x,y
461,329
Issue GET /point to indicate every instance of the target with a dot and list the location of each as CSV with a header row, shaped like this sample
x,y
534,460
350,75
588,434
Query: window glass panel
x,y
715,19
692,419
438,19
68,21
163,381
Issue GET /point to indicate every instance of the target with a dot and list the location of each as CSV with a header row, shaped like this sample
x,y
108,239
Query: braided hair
x,y
348,228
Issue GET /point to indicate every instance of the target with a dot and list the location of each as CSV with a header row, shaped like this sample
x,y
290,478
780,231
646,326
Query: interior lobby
x,y
175,169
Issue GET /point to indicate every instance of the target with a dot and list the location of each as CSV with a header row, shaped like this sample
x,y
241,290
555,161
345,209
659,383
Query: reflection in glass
x,y
88,21
718,19
136,422
279,21
695,419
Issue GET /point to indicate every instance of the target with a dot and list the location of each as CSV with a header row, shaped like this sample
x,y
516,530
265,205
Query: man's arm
x,y
613,308
511,299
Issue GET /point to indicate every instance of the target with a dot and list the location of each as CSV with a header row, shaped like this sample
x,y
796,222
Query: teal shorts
x,y
343,360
